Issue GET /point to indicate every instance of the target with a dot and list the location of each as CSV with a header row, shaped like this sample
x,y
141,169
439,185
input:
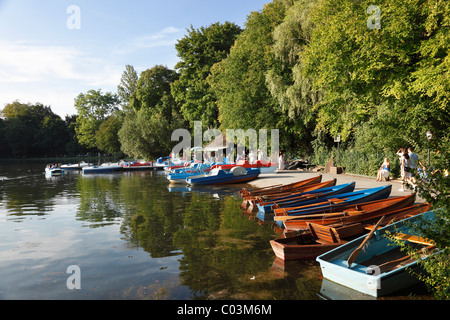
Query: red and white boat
x,y
137,165
264,167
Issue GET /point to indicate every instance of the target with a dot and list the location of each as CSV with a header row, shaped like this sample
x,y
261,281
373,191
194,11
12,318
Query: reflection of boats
x,y
218,176
136,165
332,291
320,238
379,269
328,204
299,198
104,168
75,166
195,170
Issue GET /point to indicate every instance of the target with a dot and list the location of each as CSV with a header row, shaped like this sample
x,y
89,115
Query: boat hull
x,y
223,178
332,203
296,201
367,278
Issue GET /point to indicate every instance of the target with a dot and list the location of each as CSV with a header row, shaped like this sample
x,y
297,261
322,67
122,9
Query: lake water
x,y
132,236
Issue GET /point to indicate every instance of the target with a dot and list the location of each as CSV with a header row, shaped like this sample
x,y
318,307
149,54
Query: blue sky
x,y
43,60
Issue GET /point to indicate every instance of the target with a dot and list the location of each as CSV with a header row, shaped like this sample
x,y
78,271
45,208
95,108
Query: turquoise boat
x,y
220,177
380,268
180,175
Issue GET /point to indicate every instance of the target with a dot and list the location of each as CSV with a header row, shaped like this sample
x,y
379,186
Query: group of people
x,y
409,162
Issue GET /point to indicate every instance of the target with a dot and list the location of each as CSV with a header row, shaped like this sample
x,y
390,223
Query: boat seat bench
x,y
328,234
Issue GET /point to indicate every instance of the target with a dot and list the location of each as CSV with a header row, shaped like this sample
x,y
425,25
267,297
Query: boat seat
x,y
329,234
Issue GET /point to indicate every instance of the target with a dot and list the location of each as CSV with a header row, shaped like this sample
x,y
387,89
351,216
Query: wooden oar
x,y
355,253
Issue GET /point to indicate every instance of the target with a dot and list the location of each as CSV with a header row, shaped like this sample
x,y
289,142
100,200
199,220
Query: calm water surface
x,y
135,237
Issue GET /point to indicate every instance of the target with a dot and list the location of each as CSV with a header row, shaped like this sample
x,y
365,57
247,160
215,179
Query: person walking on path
x,y
405,165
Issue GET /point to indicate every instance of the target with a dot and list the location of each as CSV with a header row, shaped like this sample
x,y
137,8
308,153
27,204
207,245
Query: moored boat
x,y
298,198
217,176
351,213
320,238
75,166
180,175
104,168
264,167
245,193
328,204
381,268
137,165
254,203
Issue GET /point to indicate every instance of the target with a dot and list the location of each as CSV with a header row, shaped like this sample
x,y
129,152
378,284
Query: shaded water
x,y
134,237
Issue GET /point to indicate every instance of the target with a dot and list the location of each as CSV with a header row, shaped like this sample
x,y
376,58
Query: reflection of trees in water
x,y
223,253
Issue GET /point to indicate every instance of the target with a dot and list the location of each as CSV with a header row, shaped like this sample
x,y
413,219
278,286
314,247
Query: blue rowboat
x,y
299,199
219,176
330,203
180,175
380,268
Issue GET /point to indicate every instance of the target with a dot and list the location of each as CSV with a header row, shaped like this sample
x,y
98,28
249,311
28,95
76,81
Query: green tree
x,y
127,86
106,137
239,81
360,71
199,51
33,130
154,114
153,91
93,108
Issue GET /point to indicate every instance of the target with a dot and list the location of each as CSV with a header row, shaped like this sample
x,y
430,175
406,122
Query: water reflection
x,y
141,238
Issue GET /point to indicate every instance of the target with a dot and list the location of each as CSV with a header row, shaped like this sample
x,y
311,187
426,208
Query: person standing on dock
x,y
280,161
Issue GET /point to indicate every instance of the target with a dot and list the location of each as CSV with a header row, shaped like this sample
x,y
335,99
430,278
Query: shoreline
x,y
362,182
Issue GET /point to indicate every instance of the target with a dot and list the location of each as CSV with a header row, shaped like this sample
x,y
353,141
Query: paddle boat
x,y
326,204
195,170
103,168
136,165
161,163
53,170
75,166
264,167
381,268
218,176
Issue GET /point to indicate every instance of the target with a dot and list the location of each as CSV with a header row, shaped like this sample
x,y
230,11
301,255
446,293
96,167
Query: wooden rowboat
x,y
352,213
301,192
322,238
328,204
278,188
381,268
298,199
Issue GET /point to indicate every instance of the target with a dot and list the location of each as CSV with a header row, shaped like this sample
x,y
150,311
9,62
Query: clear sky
x,y
52,50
